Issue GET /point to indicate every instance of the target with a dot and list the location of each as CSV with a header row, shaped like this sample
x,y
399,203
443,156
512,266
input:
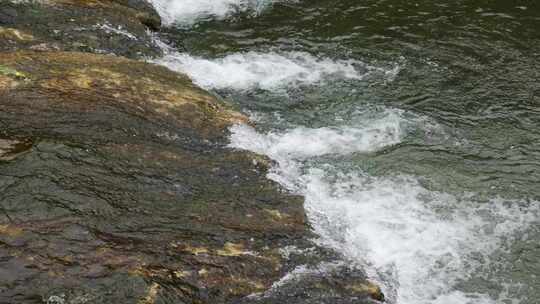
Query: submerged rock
x,y
323,283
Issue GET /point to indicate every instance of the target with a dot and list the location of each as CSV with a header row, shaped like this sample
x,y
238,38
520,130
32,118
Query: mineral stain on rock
x,y
14,35
10,149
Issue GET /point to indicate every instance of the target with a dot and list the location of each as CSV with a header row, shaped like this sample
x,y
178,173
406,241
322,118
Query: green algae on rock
x,y
6,71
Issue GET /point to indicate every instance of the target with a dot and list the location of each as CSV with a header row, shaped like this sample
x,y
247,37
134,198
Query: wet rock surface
x,y
121,27
116,185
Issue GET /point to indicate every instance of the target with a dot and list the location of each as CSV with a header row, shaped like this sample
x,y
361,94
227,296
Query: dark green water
x,y
411,127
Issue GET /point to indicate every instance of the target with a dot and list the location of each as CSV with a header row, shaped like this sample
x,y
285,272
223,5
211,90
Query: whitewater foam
x,y
302,142
267,71
419,244
188,12
429,242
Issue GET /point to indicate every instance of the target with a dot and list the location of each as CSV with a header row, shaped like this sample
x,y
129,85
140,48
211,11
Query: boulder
x,y
116,187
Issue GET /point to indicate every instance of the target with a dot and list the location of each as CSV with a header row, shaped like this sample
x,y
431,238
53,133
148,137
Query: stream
x,y
412,129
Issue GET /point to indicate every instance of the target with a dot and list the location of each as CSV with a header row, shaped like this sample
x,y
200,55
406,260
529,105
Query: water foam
x,y
427,242
188,12
302,142
267,71
418,243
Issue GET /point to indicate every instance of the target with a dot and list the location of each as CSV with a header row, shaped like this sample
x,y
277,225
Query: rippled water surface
x,y
412,128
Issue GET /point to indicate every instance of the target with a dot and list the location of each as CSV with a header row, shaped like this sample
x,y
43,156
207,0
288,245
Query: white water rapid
x,y
421,245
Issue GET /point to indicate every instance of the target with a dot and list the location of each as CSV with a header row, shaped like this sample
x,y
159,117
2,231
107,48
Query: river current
x,y
412,129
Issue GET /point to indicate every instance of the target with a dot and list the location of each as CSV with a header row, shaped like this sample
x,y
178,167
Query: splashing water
x,y
188,12
267,71
418,243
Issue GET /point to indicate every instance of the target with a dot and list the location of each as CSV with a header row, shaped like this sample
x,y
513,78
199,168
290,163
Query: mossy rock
x,y
7,71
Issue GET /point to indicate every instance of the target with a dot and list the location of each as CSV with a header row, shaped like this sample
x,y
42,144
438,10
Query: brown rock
x,y
127,182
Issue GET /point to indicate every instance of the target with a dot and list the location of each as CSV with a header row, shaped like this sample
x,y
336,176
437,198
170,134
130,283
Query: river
x,y
412,129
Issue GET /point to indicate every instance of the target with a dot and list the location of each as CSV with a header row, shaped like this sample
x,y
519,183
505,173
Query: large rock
x,y
126,187
116,186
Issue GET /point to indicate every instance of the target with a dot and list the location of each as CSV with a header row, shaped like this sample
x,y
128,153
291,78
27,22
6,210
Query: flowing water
x,y
412,129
